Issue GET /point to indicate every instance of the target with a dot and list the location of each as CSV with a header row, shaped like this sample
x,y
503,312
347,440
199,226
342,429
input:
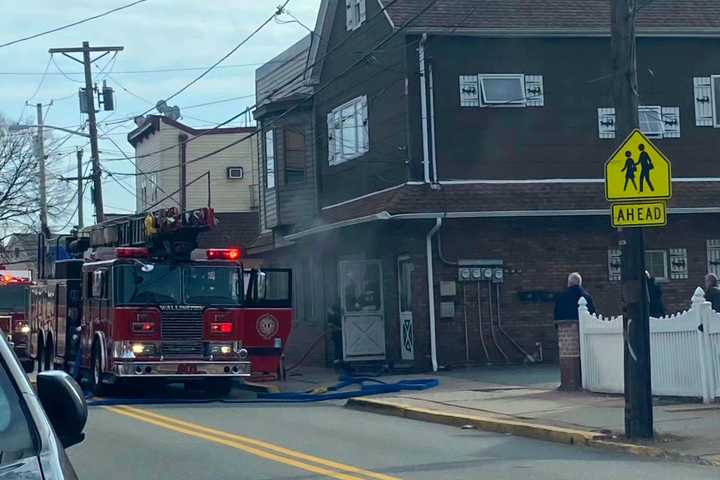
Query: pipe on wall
x,y
431,292
424,109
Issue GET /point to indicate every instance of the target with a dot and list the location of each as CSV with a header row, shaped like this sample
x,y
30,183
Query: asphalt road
x,y
263,442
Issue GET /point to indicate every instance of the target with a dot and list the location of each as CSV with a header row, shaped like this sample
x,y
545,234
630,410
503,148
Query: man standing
x,y
566,320
712,291
646,165
566,306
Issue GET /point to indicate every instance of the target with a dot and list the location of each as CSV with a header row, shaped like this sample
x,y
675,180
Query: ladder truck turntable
x,y
140,302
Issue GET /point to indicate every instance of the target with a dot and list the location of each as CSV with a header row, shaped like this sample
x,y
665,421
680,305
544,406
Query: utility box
x,y
448,288
447,309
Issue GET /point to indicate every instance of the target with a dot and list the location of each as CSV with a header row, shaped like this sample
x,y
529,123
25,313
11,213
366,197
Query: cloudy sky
x,y
157,35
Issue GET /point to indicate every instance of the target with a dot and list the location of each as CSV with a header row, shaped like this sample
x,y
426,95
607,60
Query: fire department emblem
x,y
267,326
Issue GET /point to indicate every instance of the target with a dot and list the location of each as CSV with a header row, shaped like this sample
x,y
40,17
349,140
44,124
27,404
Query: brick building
x,y
455,177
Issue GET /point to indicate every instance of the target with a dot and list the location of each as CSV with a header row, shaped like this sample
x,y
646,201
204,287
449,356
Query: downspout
x,y
432,123
424,110
431,292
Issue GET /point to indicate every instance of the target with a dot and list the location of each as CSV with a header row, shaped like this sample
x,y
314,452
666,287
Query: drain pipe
x,y
528,357
432,124
492,327
431,292
424,109
480,327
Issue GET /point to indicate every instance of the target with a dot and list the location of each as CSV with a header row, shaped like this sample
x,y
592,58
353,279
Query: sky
x,y
156,35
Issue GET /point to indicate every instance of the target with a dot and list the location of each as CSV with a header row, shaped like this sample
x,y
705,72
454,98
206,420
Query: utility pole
x,y
40,153
87,62
638,389
80,193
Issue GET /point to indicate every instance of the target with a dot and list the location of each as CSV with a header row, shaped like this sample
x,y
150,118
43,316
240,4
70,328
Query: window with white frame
x,y
269,160
355,13
502,90
707,101
348,131
656,263
655,121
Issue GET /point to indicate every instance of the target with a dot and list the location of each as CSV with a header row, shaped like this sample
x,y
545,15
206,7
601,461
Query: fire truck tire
x,y
218,387
96,384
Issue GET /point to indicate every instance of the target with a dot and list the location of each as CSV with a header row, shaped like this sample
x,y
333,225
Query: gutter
x,y
431,292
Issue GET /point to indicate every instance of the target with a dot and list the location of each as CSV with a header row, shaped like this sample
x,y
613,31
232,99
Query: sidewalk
x,y
525,401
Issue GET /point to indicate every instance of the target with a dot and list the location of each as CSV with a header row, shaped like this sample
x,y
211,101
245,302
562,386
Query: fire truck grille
x,y
182,333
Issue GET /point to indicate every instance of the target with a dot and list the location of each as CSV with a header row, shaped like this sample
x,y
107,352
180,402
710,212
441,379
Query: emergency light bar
x,y
132,252
223,254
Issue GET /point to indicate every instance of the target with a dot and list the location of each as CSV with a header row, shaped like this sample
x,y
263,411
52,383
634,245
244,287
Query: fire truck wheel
x,y
96,384
218,387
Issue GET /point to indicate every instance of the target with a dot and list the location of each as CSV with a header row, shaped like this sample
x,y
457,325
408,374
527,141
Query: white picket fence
x,y
684,351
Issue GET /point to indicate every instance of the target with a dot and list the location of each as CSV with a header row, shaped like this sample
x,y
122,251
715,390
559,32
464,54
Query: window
x,y
294,155
503,89
212,286
656,263
655,122
713,256
269,160
348,131
235,173
159,286
651,122
355,13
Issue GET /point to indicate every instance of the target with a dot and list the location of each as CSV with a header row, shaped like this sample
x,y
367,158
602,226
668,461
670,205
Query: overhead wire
x,y
70,25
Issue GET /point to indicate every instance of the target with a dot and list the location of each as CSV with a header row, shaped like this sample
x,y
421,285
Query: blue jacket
x,y
566,306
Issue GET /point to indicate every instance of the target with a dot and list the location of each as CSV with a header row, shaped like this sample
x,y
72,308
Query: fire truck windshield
x,y
13,298
212,285
159,286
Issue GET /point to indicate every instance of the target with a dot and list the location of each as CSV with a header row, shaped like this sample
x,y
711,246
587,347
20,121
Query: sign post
x,y
638,183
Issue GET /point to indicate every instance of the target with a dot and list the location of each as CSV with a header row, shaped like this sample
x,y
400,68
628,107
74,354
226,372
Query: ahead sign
x,y
651,214
638,170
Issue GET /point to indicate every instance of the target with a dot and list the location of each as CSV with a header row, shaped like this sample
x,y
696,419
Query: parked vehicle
x,y
154,307
36,428
14,290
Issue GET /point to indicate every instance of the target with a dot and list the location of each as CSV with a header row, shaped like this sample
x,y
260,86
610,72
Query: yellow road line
x,y
252,446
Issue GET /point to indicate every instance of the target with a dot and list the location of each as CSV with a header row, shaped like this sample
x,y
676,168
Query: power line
x,y
227,55
84,20
157,70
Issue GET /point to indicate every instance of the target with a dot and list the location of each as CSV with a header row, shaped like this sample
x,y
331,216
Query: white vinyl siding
x,y
501,90
348,131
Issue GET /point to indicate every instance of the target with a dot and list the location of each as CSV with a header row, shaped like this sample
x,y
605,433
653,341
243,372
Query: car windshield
x,y
159,286
13,298
16,441
212,285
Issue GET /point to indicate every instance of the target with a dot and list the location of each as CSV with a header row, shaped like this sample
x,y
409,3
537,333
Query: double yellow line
x,y
268,451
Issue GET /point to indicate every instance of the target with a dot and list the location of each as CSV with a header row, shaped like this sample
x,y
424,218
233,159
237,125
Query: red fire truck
x,y
145,303
14,286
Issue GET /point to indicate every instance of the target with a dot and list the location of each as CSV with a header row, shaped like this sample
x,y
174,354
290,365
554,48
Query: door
x,y
363,318
407,334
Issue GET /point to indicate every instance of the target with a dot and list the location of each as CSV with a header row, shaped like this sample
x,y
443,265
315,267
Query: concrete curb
x,y
522,428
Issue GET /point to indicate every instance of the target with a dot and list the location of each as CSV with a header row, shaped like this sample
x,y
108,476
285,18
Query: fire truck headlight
x,y
25,329
220,348
143,349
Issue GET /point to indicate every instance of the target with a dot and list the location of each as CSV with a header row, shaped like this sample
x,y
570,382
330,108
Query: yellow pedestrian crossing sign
x,y
638,170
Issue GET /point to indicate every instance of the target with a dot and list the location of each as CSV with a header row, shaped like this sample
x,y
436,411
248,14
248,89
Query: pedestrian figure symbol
x,y
630,168
646,165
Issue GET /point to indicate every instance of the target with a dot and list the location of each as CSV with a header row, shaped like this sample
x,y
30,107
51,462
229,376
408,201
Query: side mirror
x,y
64,402
261,285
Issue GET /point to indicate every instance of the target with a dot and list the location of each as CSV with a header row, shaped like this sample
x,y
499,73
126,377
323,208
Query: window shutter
x,y
671,119
331,138
703,102
678,264
469,91
365,125
363,10
534,91
713,256
606,122
614,265
350,24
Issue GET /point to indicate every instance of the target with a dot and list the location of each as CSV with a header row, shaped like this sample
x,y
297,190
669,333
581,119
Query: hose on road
x,y
367,386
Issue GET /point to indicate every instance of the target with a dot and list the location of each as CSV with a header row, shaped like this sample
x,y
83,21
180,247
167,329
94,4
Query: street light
x,y
19,127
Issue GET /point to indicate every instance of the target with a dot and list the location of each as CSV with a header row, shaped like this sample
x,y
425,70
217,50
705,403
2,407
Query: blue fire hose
x,y
367,387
